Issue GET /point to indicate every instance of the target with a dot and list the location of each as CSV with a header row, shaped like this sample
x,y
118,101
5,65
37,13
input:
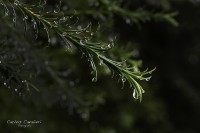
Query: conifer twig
x,y
82,41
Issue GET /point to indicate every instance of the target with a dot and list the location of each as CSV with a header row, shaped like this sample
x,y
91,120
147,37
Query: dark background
x,y
171,102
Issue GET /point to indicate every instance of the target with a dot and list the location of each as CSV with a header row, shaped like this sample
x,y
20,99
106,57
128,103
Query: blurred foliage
x,y
44,81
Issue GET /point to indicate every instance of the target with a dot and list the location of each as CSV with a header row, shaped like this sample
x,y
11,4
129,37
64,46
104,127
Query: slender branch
x,y
80,39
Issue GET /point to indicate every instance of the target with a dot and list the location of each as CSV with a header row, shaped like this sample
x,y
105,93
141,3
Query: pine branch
x,y
129,16
110,8
143,16
81,39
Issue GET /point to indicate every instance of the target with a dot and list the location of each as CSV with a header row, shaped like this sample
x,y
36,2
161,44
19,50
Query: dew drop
x,y
23,81
5,83
34,24
25,18
94,79
64,34
101,62
147,79
81,42
134,94
16,90
109,46
14,20
123,79
56,11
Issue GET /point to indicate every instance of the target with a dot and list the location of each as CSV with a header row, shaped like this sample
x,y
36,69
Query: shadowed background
x,y
171,101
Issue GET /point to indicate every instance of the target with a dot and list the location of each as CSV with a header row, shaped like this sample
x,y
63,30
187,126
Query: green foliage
x,y
81,39
48,46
